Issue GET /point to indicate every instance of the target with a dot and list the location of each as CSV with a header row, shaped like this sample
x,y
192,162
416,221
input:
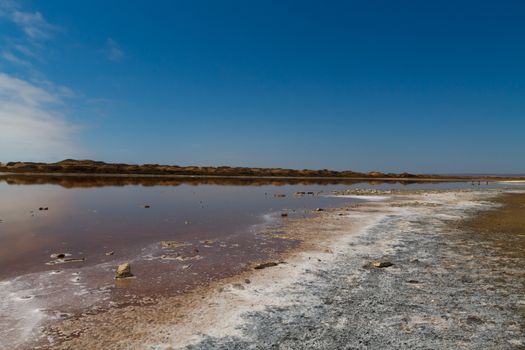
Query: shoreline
x,y
437,178
199,319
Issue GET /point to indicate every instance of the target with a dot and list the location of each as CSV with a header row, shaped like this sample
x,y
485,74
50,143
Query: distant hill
x,y
72,166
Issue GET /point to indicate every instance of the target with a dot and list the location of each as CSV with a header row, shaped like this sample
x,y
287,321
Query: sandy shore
x,y
449,287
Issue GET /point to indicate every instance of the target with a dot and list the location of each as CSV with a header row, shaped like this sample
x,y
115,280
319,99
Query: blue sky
x,y
420,86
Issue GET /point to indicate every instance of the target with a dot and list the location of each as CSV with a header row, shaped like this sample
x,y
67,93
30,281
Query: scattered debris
x,y
123,271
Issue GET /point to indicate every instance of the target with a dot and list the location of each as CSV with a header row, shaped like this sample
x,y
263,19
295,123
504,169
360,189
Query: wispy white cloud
x,y
9,56
26,51
33,24
31,124
113,50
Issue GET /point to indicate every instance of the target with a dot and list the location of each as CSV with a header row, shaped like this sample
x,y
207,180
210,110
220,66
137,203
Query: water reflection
x,y
74,181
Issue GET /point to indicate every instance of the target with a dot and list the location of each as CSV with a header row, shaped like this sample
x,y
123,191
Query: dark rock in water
x,y
381,264
266,264
123,271
58,255
147,206
279,195
319,209
284,215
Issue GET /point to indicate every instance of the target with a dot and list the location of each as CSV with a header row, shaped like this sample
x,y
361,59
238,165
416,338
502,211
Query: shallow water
x,y
89,217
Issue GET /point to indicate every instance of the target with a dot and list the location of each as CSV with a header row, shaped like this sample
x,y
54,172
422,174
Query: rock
x,y
147,206
65,260
123,271
110,253
238,286
474,320
284,215
173,244
58,256
265,265
319,209
247,281
381,264
300,193
207,241
279,195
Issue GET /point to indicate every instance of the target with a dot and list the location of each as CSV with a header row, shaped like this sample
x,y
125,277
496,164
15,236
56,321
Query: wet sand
x,y
455,282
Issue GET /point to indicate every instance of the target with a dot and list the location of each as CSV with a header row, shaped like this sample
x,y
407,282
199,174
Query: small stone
x,y
110,253
173,244
58,256
265,265
238,286
474,320
123,271
247,281
381,264
147,206
319,209
284,215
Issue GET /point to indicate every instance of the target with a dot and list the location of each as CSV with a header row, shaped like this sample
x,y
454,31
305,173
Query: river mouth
x,y
217,226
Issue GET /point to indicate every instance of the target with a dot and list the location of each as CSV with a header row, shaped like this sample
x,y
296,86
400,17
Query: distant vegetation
x,y
71,166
